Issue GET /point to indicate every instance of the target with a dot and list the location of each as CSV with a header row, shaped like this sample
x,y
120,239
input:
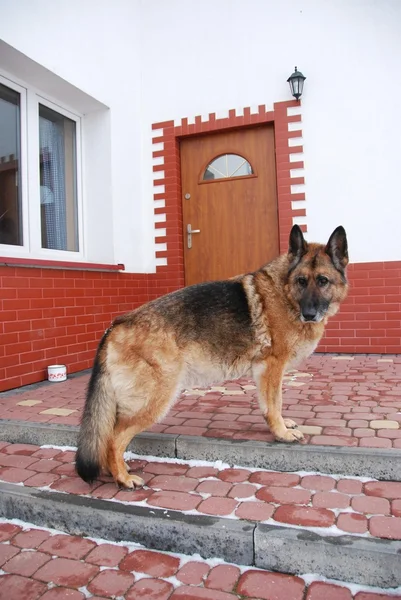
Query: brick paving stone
x,y
349,486
23,449
173,483
371,505
130,495
375,442
46,453
26,563
63,593
63,571
304,516
391,434
223,578
8,530
255,511
270,586
326,591
30,538
66,456
106,555
110,583
234,475
41,480
105,491
331,500
165,468
224,434
337,431
217,506
396,508
74,485
16,460
311,429
194,423
214,487
15,475
150,589
150,562
364,433
197,593
202,472
326,422
382,424
65,469
67,546
352,523
385,527
275,479
182,430
7,552
174,500
318,482
45,465
333,440
283,495
193,573
242,490
358,423
17,587
384,489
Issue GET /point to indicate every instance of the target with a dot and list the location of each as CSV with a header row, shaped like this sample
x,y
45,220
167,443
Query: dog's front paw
x,y
291,435
290,424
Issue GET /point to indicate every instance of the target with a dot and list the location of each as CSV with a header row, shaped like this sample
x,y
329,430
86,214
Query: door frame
x,y
167,196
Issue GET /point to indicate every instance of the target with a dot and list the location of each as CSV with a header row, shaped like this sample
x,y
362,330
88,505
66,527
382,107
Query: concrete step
x,y
379,463
50,565
343,528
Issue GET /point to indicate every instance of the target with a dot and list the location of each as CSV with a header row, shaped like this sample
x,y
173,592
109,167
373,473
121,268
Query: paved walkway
x,y
336,400
48,565
333,504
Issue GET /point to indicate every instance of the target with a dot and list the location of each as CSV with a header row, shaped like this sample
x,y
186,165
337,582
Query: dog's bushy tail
x,y
97,423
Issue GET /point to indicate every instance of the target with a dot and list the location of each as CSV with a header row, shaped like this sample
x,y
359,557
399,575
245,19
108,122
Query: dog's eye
x,y
322,281
302,281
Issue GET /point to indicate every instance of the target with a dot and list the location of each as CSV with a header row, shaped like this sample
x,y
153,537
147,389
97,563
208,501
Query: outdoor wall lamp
x,y
296,81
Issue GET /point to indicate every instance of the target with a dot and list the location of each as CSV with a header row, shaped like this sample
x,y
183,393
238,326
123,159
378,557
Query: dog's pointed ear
x,y
298,246
337,248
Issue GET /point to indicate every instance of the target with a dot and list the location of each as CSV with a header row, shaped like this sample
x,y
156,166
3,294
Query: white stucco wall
x,y
156,60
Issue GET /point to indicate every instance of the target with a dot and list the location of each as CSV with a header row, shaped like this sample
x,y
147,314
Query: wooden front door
x,y
229,198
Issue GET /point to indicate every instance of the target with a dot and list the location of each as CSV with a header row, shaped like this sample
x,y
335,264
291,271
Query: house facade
x,y
149,144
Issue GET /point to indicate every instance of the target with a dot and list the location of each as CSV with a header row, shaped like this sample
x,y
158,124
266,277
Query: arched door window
x,y
226,166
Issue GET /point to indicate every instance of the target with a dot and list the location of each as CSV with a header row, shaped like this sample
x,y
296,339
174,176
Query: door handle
x,y
190,231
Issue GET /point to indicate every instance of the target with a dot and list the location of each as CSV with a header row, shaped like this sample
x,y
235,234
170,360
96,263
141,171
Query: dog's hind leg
x,y
124,431
128,426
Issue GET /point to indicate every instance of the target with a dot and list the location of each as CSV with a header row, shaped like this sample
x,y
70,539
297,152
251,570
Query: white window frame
x,y
30,99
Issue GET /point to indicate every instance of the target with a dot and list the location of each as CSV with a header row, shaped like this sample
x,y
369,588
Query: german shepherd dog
x,y
257,325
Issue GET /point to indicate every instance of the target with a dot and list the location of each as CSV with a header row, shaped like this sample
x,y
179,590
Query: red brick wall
x,y
50,315
57,316
370,319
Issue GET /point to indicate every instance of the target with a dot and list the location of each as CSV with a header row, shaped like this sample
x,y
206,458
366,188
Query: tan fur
x,y
148,356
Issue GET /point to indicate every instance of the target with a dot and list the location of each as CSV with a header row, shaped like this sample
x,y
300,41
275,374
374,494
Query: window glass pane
x,y
58,181
10,166
227,165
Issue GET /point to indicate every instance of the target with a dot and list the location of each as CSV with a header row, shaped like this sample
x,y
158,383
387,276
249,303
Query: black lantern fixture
x,y
296,81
